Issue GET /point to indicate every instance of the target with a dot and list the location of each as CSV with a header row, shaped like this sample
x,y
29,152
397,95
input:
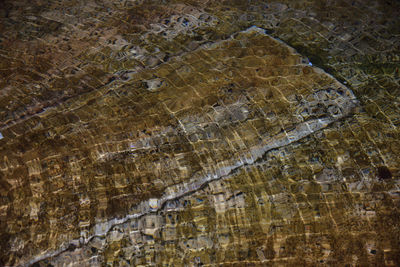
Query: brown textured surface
x,y
179,134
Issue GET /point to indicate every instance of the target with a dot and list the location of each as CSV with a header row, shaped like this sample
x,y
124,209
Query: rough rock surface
x,y
188,133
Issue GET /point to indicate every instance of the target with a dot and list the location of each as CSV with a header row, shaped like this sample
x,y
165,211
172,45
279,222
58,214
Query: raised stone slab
x,y
173,129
